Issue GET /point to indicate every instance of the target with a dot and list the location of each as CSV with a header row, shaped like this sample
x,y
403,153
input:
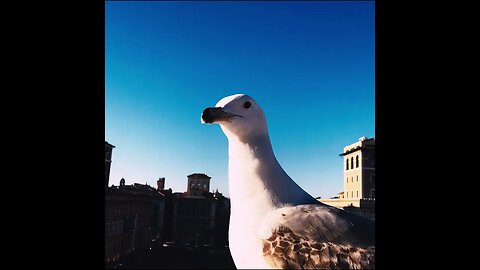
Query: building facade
x,y
198,184
133,215
161,183
133,218
196,217
108,161
359,169
194,220
358,193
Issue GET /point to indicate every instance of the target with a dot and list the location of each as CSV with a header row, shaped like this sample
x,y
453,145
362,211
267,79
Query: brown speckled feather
x,y
285,249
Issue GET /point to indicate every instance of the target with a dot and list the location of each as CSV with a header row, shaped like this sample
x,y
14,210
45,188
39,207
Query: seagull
x,y
274,223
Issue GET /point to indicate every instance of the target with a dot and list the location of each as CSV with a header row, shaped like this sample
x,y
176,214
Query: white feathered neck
x,y
257,186
256,177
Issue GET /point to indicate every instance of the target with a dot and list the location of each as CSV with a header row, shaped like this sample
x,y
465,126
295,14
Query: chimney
x,y
161,183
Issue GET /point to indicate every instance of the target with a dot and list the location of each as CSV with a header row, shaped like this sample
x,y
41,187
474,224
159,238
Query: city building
x,y
194,220
198,184
222,219
359,172
196,217
133,218
358,193
161,183
139,216
108,161
133,215
168,215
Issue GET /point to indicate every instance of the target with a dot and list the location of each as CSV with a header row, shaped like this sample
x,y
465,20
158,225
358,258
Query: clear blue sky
x,y
310,65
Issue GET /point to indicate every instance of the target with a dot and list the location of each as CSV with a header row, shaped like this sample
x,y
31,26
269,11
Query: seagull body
x,y
274,223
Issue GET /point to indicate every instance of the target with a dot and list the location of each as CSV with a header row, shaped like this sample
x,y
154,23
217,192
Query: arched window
x,y
351,162
347,164
357,161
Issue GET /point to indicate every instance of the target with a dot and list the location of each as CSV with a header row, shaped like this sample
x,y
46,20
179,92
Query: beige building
x,y
358,177
359,172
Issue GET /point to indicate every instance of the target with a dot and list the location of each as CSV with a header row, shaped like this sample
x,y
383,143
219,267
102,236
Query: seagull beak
x,y
216,114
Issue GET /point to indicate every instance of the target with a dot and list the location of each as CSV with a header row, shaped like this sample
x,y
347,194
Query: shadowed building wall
x,y
108,161
198,184
133,218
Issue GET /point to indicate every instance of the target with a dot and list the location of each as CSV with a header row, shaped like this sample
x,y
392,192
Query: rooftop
x,y
135,189
198,175
109,145
363,143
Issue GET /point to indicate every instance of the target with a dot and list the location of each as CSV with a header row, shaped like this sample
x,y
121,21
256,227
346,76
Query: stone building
x,y
133,215
197,185
359,172
358,193
197,216
133,218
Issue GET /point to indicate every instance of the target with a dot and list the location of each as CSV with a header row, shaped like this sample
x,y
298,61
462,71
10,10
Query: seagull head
x,y
238,115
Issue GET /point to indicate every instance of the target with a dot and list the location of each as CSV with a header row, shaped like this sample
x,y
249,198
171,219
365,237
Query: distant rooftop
x,y
109,145
198,175
363,142
135,189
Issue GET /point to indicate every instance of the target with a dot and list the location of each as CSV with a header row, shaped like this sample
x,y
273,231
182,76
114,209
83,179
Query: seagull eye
x,y
247,104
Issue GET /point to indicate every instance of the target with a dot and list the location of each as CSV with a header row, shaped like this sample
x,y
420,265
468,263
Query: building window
x,y
347,164
347,194
347,179
357,178
351,162
357,161
357,193
372,193
352,182
352,193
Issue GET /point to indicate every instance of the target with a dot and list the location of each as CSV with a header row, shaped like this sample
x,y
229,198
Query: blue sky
x,y
310,65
